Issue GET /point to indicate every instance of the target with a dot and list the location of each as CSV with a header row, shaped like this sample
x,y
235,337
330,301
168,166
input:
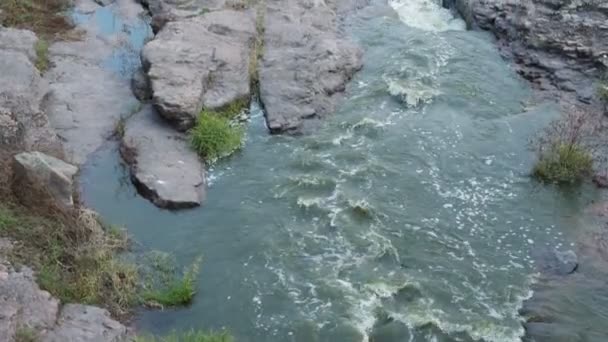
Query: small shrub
x,y
189,336
568,149
42,55
214,137
602,93
564,164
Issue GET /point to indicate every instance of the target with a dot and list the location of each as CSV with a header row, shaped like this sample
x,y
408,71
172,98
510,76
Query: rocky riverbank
x,y
559,46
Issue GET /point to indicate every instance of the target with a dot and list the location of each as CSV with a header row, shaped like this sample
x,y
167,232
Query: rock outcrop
x,y
36,172
162,165
22,122
199,62
557,45
25,307
306,63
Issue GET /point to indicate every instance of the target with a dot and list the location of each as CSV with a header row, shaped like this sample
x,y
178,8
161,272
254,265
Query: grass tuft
x,y
214,137
174,290
564,163
189,336
42,55
25,334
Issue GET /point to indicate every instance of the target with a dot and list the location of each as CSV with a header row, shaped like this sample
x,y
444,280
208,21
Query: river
x,y
408,215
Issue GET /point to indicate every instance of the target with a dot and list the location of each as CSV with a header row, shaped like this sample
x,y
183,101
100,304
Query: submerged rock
x,y
200,62
306,64
163,167
555,262
36,172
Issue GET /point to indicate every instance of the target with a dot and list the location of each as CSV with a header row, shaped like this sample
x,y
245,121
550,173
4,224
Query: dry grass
x,y
45,17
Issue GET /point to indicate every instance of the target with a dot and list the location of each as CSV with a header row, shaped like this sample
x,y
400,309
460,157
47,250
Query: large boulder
x,y
163,167
200,62
37,173
83,323
306,63
22,122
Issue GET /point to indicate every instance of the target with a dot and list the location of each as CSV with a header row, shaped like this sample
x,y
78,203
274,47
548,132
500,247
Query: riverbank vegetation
x,y
568,150
189,336
216,135
45,17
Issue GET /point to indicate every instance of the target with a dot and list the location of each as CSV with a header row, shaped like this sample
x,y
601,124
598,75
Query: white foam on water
x,y
427,15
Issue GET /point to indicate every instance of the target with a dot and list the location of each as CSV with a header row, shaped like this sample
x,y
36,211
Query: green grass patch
x,y
42,55
26,334
173,290
214,136
563,163
45,17
189,336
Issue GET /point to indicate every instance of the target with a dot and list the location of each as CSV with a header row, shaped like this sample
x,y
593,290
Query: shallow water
x,y
408,216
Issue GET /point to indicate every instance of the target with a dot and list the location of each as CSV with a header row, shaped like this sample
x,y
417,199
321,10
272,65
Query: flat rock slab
x,y
306,64
40,172
163,166
199,62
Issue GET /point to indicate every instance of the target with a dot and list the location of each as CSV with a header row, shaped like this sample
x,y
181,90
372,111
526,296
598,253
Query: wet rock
x,y
306,64
105,2
199,62
562,44
22,303
82,323
555,262
601,181
36,171
163,167
550,332
21,93
140,86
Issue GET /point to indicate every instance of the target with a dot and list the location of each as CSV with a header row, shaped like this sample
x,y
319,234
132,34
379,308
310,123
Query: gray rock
x,y
181,9
560,44
21,94
140,86
306,64
163,167
199,62
38,171
82,323
105,2
22,303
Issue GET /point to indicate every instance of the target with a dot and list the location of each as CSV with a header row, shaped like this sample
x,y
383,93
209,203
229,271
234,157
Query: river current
x,y
408,215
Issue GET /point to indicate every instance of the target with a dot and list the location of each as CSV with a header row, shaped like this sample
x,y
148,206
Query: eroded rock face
x,y
199,62
306,64
83,323
36,171
163,166
23,123
558,45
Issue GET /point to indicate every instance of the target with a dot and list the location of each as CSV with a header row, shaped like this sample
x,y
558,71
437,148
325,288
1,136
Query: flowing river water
x,y
408,215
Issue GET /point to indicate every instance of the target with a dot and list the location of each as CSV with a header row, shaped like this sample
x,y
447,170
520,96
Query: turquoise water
x,y
408,215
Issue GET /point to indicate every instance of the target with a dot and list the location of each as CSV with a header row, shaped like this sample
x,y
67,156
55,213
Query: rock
x,y
105,2
36,171
21,94
163,167
181,9
554,262
601,181
82,323
306,64
140,86
199,62
22,303
564,43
